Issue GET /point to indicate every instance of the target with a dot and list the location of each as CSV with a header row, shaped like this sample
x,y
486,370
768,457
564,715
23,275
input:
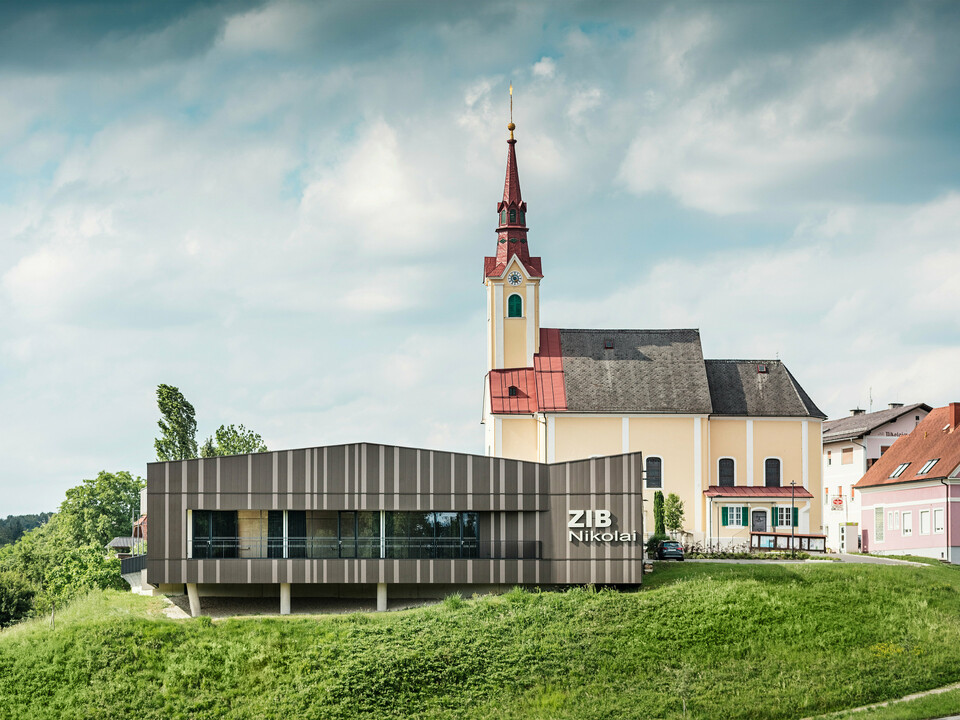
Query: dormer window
x,y
512,391
503,217
899,471
928,466
513,215
523,217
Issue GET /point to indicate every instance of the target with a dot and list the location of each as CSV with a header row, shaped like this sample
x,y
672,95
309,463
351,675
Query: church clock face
x,y
514,278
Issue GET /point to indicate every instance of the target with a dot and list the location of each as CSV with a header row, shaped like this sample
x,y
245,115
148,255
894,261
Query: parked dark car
x,y
669,549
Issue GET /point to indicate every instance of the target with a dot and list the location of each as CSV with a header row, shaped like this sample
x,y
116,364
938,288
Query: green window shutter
x,y
796,514
723,516
773,516
745,516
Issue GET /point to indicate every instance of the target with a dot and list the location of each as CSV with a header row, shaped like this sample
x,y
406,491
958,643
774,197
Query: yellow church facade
x,y
739,441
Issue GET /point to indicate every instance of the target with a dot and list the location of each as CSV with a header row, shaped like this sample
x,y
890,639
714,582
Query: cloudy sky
x,y
282,208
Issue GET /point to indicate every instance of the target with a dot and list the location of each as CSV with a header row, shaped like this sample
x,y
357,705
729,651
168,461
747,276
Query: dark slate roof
x,y
737,388
645,371
122,542
855,426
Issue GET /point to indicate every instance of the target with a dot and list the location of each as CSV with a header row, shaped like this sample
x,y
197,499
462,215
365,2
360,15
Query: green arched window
x,y
503,217
514,306
513,215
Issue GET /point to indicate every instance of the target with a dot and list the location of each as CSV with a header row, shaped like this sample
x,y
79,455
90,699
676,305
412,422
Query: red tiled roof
x,y
525,401
492,267
548,364
799,492
539,389
937,436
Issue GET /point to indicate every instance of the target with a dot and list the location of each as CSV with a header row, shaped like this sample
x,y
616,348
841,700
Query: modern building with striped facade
x,y
351,520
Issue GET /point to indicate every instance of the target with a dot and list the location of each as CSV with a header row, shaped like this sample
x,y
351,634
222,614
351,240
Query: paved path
x,y
914,696
874,560
833,557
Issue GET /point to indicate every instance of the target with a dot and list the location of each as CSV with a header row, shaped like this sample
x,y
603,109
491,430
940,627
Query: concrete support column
x,y
194,595
381,597
284,598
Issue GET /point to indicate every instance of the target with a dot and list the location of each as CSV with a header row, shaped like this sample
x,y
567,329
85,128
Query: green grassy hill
x,y
729,641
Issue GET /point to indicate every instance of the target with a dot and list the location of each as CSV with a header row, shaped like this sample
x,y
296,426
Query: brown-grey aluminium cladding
x,y
526,515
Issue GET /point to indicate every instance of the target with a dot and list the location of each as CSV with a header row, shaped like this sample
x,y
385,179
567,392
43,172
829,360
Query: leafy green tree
x,y
98,510
79,570
229,440
673,513
178,426
32,556
16,597
658,521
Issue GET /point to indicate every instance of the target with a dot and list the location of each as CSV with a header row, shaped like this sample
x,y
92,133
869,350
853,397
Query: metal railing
x,y
364,548
783,541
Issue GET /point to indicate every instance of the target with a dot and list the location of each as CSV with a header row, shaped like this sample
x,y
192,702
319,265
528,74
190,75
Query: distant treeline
x,y
14,526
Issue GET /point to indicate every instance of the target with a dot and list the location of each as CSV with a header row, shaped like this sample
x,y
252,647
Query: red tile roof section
x,y
799,492
937,436
492,267
548,364
524,402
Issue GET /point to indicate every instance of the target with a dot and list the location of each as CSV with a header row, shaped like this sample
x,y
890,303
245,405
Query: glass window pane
x,y
201,534
348,534
224,531
772,472
322,534
275,534
296,533
726,472
369,534
654,472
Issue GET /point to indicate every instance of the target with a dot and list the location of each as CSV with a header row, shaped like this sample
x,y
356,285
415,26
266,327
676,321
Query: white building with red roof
x,y
851,445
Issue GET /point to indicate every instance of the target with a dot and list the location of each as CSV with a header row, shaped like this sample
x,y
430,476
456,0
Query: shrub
x,y
453,601
655,540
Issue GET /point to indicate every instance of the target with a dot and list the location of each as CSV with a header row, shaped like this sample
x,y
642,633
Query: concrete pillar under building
x,y
194,595
284,598
381,597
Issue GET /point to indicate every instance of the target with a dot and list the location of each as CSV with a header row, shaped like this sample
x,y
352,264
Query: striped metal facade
x,y
517,501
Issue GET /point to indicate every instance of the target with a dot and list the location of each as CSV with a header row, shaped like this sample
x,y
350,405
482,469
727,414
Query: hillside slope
x,y
729,641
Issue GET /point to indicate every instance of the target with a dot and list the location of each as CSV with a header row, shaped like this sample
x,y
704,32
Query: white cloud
x,y
545,68
731,144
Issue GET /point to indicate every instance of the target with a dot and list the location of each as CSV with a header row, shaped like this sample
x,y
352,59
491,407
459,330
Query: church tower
x,y
512,278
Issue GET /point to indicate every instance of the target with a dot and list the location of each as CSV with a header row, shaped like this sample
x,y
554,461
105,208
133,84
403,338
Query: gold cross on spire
x,y
511,126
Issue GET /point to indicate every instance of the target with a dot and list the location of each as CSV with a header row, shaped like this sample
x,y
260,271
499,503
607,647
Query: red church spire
x,y
512,217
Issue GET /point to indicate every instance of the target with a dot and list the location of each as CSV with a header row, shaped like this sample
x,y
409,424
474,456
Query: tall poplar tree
x,y
658,520
178,425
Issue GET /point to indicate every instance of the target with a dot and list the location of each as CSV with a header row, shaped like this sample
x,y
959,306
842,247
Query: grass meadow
x,y
700,641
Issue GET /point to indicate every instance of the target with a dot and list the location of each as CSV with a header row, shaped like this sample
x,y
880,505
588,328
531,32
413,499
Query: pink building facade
x,y
911,518
909,496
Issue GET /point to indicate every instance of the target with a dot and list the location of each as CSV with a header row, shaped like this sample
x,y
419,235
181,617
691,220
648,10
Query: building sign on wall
x,y
589,526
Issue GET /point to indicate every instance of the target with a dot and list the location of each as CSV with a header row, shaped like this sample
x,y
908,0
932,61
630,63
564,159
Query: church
x,y
738,441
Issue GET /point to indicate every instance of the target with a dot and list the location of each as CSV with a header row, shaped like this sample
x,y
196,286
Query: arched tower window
x,y
503,217
514,306
654,472
771,472
726,472
513,215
